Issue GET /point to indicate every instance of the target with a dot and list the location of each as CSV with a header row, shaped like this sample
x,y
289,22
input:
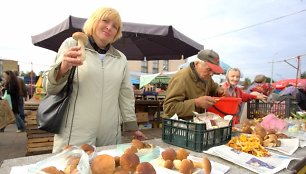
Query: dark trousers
x,y
21,108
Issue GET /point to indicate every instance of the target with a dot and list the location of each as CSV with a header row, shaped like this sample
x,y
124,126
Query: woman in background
x,y
232,90
260,85
12,88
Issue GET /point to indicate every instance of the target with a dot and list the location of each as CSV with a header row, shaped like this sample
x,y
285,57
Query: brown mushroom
x,y
103,164
145,168
186,167
168,164
181,154
52,170
168,154
88,148
129,161
82,40
205,165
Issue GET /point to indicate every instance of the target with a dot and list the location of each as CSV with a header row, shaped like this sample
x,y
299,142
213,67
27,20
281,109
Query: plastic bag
x,y
7,97
60,161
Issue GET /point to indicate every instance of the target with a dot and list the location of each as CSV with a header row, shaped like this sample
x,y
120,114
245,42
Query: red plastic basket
x,y
226,106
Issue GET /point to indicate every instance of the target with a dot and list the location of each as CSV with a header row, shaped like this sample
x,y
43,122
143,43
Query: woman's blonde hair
x,y
103,13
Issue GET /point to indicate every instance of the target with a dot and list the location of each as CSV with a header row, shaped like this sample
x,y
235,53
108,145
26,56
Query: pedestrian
x,y
301,95
22,96
192,88
232,90
102,99
260,85
12,88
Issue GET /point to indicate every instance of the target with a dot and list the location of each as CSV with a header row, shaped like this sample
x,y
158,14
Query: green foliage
x,y
303,75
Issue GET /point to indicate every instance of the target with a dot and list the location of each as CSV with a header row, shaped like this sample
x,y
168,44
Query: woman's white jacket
x,y
101,100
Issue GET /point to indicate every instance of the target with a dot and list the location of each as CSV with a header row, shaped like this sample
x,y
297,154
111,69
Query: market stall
x,y
12,166
6,114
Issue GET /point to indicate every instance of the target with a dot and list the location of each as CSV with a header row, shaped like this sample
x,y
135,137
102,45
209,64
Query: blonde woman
x,y
102,99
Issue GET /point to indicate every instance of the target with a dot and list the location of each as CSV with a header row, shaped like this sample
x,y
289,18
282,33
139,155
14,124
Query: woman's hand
x,y
262,97
220,92
139,135
72,57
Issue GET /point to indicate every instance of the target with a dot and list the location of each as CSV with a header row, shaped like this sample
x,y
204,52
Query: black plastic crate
x,y
194,136
282,109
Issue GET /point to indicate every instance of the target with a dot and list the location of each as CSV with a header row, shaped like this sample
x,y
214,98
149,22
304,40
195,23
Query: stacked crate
x,y
39,141
282,109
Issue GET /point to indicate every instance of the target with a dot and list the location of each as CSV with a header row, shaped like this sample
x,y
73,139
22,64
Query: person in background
x,y
232,90
260,85
192,88
22,96
301,95
102,99
12,88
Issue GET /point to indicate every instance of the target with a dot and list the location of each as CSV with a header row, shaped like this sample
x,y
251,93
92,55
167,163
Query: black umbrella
x,y
155,42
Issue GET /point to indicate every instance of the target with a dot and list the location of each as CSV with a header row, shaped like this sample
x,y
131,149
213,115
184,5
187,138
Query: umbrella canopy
x,y
290,90
155,78
283,83
139,41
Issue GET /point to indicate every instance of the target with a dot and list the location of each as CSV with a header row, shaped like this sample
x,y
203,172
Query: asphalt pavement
x,y
12,144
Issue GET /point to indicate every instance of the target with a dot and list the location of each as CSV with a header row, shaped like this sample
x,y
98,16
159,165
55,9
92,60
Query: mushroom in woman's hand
x,y
82,40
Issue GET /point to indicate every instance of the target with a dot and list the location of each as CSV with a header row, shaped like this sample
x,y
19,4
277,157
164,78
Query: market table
x,y
234,169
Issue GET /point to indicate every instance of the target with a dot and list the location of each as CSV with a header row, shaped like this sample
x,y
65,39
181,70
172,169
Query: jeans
x,y
19,123
21,108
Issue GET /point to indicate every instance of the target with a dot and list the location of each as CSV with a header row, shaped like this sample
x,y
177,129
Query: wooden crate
x,y
39,141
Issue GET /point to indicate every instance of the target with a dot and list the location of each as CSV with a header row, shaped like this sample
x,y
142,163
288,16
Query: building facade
x,y
8,65
155,66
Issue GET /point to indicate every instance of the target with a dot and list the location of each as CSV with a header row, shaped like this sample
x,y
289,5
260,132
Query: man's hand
x,y
204,102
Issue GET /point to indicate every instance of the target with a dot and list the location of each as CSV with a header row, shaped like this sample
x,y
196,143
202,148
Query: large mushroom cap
x,y
80,36
129,161
145,168
186,167
181,154
103,164
169,154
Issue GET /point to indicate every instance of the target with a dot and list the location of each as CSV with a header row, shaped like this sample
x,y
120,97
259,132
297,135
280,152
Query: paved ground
x,y
13,144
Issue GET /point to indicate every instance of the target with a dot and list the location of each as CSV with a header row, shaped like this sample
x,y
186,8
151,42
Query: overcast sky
x,y
247,34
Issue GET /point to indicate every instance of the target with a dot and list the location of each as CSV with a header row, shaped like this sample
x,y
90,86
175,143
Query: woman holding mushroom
x,y
102,97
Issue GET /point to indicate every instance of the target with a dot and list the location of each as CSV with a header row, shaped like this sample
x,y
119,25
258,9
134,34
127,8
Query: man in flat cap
x,y
192,87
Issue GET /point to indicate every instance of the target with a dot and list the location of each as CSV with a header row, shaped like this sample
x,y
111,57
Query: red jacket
x,y
239,93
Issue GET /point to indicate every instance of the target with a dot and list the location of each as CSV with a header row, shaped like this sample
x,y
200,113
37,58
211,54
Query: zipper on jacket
x,y
102,81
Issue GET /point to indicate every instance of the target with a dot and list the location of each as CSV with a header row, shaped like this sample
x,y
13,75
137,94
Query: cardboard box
x,y
142,117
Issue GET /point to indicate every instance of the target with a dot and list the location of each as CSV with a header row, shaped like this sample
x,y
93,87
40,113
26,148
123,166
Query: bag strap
x,y
68,86
71,75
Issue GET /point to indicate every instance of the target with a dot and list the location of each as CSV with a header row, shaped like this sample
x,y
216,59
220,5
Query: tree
x,y
303,75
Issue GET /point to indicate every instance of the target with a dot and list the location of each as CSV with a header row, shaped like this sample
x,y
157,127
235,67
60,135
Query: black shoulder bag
x,y
51,110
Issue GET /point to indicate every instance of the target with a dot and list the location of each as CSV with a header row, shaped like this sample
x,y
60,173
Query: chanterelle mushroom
x,y
82,39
